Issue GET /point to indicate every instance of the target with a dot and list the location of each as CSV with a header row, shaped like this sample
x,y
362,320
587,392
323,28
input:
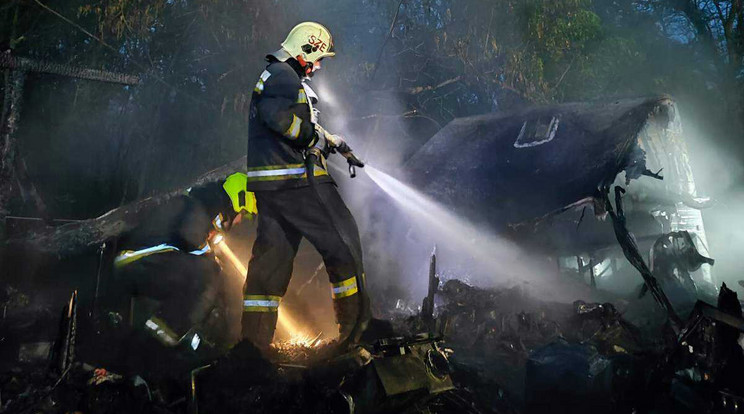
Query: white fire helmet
x,y
308,42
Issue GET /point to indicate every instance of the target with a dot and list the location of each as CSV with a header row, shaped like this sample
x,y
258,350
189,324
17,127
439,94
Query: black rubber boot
x,y
347,316
258,327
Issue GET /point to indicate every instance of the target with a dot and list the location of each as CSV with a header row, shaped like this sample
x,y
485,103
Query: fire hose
x,y
312,156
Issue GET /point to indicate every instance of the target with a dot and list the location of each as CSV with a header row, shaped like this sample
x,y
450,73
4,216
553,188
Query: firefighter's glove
x,y
338,144
334,143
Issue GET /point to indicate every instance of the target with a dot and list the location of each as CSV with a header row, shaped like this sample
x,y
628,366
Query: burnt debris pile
x,y
393,374
495,350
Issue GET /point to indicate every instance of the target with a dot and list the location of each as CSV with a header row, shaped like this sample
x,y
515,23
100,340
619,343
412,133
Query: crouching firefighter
x,y
287,150
167,269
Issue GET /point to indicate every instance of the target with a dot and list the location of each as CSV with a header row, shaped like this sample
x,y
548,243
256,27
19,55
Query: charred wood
x,y
77,237
631,251
8,146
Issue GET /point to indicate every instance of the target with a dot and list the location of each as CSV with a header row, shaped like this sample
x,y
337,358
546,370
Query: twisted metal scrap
x,y
630,249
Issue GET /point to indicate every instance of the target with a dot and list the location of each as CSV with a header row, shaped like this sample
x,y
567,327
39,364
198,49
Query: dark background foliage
x,y
404,69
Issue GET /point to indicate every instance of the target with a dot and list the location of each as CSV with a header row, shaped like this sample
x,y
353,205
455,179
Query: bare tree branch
x,y
384,43
77,237
418,89
27,65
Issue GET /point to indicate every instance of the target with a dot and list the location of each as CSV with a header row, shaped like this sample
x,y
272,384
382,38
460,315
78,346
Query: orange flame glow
x,y
285,321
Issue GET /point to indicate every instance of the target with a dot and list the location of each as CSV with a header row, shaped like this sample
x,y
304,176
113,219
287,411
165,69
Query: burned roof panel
x,y
509,167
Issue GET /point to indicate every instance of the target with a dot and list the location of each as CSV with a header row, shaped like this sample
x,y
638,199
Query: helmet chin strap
x,y
307,66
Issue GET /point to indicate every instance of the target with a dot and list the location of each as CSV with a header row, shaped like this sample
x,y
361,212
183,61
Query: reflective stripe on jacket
x,y
281,172
128,256
280,129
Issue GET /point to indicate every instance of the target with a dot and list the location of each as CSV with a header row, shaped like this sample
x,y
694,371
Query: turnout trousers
x,y
181,289
169,297
284,217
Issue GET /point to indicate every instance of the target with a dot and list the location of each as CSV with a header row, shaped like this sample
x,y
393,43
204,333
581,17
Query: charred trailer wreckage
x,y
535,176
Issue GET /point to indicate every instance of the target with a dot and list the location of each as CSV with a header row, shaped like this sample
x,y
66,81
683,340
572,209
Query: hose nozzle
x,y
353,162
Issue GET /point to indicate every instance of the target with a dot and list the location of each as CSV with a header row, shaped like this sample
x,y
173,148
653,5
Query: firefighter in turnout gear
x,y
167,267
296,197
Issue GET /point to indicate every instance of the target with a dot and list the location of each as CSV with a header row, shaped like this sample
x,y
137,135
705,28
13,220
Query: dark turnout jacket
x,y
280,130
167,259
183,222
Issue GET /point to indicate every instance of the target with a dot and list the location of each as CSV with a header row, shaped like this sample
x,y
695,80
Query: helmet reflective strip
x,y
268,173
293,131
345,288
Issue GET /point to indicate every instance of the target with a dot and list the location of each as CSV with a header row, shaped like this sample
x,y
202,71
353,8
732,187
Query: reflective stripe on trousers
x,y
167,336
344,288
162,332
261,303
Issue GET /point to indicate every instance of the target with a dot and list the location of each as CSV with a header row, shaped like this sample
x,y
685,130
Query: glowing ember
x,y
299,349
285,321
306,341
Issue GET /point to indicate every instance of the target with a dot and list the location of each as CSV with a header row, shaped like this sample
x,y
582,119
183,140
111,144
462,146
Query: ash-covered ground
x,y
485,351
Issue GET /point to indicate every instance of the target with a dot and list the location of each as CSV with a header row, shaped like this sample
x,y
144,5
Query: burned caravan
x,y
535,174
